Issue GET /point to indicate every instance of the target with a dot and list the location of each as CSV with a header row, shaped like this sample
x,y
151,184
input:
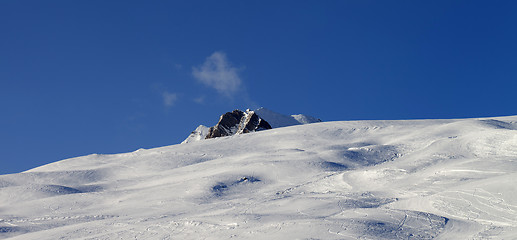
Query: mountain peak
x,y
239,122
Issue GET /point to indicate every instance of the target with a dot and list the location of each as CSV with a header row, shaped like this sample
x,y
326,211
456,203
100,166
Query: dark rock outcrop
x,y
237,122
253,123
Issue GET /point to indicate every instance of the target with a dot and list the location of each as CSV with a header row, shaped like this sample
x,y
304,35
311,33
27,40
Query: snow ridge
x,y
197,135
279,120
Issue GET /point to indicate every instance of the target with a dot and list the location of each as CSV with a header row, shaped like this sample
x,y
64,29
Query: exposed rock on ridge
x,y
237,122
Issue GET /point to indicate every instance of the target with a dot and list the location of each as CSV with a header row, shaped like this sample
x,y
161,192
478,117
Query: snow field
x,y
418,179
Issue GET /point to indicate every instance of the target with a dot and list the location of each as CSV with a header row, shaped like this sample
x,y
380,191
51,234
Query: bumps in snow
x,y
237,122
220,188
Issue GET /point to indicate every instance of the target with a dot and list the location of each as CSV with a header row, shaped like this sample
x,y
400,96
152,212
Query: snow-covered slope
x,y
418,179
197,135
277,120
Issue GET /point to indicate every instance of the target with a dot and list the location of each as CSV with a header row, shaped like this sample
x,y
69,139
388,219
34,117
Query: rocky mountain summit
x,y
239,122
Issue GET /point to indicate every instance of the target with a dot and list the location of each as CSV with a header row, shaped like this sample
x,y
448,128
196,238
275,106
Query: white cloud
x,y
169,98
178,66
200,100
218,73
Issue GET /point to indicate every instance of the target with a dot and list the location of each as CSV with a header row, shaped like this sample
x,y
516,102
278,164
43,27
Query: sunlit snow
x,y
415,179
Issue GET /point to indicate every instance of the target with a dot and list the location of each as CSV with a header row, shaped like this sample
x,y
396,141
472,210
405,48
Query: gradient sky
x,y
83,77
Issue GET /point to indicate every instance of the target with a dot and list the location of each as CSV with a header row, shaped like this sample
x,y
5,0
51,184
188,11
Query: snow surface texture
x,y
274,119
417,179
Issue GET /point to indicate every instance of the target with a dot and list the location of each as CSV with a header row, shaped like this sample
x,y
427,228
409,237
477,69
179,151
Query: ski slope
x,y
414,179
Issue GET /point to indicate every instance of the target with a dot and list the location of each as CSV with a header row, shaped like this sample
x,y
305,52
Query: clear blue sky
x,y
82,77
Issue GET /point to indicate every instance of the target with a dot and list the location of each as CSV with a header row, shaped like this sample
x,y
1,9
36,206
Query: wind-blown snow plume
x,y
217,72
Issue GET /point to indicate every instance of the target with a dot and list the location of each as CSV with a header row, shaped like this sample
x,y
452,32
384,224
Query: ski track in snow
x,y
414,179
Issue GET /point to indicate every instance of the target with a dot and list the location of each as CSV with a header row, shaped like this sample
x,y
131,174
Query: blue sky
x,y
82,77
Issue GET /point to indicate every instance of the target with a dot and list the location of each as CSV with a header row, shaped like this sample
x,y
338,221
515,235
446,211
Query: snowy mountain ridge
x,y
239,122
410,179
277,120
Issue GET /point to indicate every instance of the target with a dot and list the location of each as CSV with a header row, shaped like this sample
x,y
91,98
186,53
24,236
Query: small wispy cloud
x,y
178,66
169,98
199,100
217,72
